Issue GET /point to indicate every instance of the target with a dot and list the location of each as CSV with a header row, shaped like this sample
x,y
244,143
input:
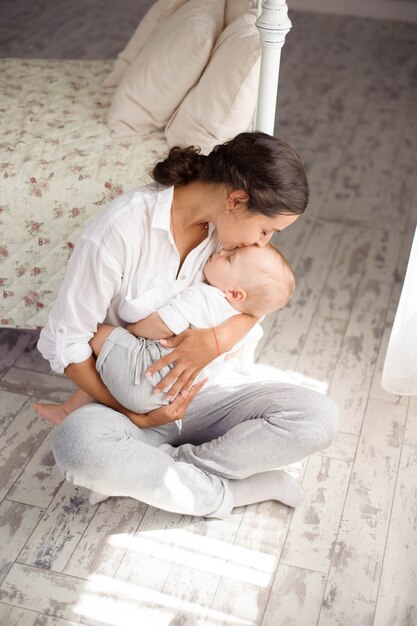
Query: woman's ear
x,y
236,198
235,295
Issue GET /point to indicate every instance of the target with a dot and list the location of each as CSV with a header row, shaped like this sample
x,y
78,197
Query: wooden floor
x,y
348,555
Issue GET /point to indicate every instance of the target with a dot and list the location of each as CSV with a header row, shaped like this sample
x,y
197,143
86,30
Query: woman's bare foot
x,y
56,413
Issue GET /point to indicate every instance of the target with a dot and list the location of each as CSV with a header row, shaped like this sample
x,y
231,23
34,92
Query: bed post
x,y
273,25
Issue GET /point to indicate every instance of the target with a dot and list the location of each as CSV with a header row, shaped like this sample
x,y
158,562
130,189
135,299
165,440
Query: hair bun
x,y
181,166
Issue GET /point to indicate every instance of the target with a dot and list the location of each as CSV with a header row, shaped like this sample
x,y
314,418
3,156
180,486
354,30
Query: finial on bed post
x,y
273,25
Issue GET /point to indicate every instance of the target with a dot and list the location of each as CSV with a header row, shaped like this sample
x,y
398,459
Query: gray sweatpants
x,y
232,430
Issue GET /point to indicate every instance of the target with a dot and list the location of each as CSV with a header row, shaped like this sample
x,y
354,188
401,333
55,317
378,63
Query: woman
x,y
148,245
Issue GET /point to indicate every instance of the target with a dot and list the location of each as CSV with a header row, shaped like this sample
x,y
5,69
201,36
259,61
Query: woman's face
x,y
238,227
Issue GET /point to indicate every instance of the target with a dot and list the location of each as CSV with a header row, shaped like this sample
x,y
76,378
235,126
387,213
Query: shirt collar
x,y
162,213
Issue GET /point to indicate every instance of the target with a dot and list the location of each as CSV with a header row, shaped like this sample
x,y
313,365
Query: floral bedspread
x,y
59,166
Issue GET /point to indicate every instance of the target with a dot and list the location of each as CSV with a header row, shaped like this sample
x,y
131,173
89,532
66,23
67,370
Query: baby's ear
x,y
235,295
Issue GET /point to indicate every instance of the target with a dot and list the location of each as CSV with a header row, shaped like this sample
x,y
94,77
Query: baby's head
x,y
254,280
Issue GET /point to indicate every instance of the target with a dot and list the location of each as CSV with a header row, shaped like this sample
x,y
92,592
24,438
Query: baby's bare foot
x,y
55,413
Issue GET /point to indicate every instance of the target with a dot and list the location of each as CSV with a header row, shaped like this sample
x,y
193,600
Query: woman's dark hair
x,y
265,167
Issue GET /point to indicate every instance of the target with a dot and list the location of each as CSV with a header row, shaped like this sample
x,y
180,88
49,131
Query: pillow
x,y
156,15
166,68
235,8
223,102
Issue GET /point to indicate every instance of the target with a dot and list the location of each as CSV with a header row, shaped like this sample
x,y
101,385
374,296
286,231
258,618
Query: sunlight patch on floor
x,y
267,373
115,603
201,553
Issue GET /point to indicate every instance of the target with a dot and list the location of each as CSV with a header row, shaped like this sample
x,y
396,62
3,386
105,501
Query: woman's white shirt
x,y
123,268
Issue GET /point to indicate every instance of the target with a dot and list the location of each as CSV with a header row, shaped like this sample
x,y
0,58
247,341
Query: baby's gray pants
x,y
233,429
122,364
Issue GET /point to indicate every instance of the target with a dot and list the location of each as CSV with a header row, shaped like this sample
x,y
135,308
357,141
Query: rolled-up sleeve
x,y
92,279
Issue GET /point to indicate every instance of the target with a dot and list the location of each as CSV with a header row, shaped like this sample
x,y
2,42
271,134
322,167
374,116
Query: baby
x,y
243,280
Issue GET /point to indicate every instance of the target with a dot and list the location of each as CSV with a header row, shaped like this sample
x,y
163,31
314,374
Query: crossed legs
x,y
232,442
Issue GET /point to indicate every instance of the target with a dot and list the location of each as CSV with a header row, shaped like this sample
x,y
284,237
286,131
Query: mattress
x,y
59,166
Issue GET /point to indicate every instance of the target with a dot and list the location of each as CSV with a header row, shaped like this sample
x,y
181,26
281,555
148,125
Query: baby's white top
x,y
200,306
123,268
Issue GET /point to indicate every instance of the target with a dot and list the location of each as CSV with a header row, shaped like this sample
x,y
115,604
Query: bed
x,y
60,164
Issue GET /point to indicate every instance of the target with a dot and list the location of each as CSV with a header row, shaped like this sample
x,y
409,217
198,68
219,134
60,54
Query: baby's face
x,y
232,269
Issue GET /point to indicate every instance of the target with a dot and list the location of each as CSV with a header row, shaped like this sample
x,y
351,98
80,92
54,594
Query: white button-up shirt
x,y
123,268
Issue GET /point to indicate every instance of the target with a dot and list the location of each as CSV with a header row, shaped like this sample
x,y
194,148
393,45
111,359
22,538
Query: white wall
x,y
399,10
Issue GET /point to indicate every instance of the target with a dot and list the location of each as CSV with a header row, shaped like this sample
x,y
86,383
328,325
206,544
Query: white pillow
x,y
166,68
235,8
156,15
223,102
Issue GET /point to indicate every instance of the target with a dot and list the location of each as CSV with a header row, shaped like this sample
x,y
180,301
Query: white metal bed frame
x,y
273,24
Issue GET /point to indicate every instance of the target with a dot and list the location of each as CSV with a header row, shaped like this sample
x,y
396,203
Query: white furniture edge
x,y
273,25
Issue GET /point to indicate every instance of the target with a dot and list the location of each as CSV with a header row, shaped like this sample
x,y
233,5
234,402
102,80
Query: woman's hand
x,y
193,350
167,413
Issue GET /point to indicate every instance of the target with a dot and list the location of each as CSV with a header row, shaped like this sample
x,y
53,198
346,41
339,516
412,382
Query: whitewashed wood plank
x,y
382,136
11,404
293,240
353,579
400,271
45,620
319,166
97,601
346,190
321,350
342,447
283,344
295,598
239,602
151,552
337,110
384,254
314,526
98,551
40,480
260,538
57,535
363,181
12,344
377,392
17,522
45,592
205,548
400,193
13,616
263,372
353,374
346,272
409,204
51,387
396,603
31,358
380,198
410,435
245,585
18,443
247,578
